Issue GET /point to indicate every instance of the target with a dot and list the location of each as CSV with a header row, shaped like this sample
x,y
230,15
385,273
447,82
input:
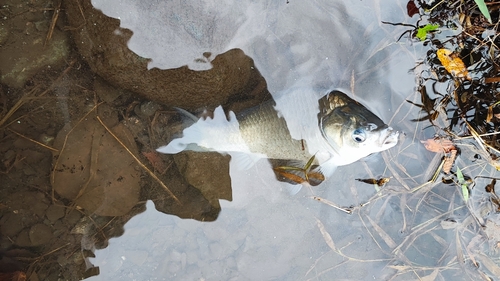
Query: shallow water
x,y
261,232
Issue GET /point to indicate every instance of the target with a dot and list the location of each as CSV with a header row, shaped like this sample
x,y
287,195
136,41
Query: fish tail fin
x,y
190,135
204,134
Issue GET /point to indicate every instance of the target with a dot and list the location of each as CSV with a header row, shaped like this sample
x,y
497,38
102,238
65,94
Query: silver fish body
x,y
345,132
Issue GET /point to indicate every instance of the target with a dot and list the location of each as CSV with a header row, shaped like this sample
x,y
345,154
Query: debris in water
x,y
453,64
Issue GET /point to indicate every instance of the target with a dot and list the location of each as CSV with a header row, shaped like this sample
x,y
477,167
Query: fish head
x,y
351,129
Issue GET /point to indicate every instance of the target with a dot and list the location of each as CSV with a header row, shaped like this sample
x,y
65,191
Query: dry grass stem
x,y
32,95
326,236
18,105
386,237
55,16
331,204
34,141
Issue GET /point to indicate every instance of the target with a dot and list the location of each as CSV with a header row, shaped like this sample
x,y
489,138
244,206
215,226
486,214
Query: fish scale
x,y
265,132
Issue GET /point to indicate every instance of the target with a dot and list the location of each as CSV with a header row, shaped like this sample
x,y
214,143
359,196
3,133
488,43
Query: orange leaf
x,y
438,145
449,160
453,64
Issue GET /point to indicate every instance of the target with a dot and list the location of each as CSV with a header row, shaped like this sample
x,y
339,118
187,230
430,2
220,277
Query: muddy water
x,y
85,195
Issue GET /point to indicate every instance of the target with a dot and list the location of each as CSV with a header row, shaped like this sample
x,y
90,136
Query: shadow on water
x,y
87,99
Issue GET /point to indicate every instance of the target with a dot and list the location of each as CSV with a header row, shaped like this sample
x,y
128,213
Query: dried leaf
x,y
430,277
489,264
495,163
491,79
438,145
489,116
492,230
490,188
449,224
326,235
368,181
379,182
411,8
453,64
461,18
458,245
449,160
386,237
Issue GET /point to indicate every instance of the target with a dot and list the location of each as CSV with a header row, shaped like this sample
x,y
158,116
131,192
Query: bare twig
x,y
32,140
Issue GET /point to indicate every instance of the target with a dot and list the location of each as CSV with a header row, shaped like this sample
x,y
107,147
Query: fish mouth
x,y
391,137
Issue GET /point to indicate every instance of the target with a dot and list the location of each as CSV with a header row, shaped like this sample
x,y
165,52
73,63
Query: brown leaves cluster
x,y
441,145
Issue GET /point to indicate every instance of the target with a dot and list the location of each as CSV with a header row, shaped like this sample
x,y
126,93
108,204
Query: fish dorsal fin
x,y
333,100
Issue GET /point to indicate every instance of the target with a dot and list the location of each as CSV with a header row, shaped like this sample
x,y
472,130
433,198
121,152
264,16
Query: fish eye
x,y
359,135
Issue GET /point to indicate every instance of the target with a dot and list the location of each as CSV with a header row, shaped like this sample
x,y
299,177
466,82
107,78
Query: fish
x,y
345,132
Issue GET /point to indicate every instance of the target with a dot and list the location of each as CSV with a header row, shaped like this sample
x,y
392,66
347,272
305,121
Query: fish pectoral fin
x,y
327,168
308,174
293,189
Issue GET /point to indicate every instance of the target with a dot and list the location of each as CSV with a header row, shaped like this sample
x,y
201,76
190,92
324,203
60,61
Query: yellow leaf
x,y
453,64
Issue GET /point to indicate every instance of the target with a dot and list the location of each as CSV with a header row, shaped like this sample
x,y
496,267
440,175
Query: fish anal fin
x,y
244,161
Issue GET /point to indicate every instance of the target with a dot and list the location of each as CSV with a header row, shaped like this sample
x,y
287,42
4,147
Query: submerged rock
x,y
25,53
103,45
208,172
40,234
95,171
